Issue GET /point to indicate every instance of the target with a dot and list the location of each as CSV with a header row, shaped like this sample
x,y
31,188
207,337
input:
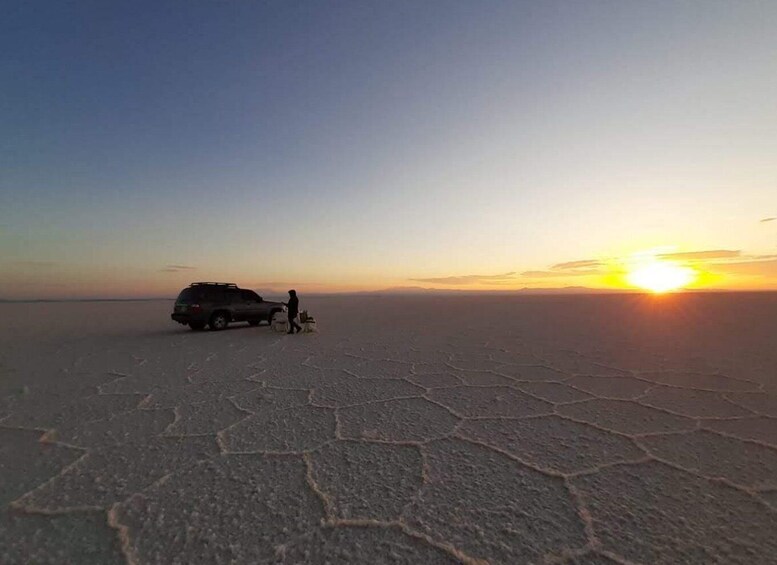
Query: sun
x,y
661,276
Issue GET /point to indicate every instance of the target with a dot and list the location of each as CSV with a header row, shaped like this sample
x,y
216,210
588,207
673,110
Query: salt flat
x,y
564,429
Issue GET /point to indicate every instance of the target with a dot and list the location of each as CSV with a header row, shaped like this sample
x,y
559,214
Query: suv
x,y
218,304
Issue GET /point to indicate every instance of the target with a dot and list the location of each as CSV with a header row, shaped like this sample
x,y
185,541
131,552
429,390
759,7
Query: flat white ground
x,y
572,429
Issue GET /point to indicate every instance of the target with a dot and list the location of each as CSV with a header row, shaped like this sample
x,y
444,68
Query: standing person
x,y
293,307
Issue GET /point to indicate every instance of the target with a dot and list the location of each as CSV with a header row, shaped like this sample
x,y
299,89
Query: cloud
x,y
768,220
470,279
274,285
765,268
577,264
176,268
570,273
716,260
702,255
582,267
35,264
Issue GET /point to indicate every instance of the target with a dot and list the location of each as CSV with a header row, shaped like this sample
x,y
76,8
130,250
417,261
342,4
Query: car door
x,y
252,304
236,305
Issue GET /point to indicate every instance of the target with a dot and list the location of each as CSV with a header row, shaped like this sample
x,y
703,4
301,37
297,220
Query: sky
x,y
341,146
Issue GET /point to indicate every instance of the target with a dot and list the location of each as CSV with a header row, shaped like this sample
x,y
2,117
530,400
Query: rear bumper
x,y
182,318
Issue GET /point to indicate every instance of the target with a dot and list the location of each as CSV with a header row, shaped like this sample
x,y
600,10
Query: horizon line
x,y
568,291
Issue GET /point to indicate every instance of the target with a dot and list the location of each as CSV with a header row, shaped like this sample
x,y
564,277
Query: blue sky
x,y
357,145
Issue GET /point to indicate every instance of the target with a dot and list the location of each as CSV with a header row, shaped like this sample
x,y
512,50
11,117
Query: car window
x,y
214,295
189,296
249,296
235,296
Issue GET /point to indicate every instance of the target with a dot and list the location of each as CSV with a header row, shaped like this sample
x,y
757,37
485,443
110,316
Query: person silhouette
x,y
293,307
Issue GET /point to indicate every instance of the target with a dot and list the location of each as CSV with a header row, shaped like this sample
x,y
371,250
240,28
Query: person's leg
x,y
291,323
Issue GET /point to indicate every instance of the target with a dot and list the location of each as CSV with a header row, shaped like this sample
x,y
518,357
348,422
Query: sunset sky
x,y
339,146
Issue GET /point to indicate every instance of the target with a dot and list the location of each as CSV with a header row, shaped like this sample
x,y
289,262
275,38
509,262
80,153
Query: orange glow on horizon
x,y
660,277
648,270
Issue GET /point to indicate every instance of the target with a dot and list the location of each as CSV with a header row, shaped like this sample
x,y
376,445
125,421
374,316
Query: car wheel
x,y
197,325
218,321
253,323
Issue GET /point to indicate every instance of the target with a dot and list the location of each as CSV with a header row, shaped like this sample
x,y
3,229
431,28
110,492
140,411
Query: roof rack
x,y
228,285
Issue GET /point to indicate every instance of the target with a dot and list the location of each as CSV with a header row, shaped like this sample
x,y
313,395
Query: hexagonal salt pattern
x,y
81,537
489,402
553,443
303,377
238,508
762,430
366,543
207,418
53,412
368,481
553,392
134,426
493,508
109,474
483,378
531,373
413,419
652,513
700,381
170,397
571,431
758,402
25,462
295,429
360,391
435,380
708,454
626,417
263,399
624,388
693,403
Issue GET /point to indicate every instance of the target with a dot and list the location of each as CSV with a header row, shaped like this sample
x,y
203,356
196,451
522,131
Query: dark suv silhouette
x,y
218,304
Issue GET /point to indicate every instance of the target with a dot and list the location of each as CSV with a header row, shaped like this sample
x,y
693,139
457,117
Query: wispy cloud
x,y
35,264
724,261
176,268
762,268
570,273
581,267
470,279
768,220
585,263
702,255
274,285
